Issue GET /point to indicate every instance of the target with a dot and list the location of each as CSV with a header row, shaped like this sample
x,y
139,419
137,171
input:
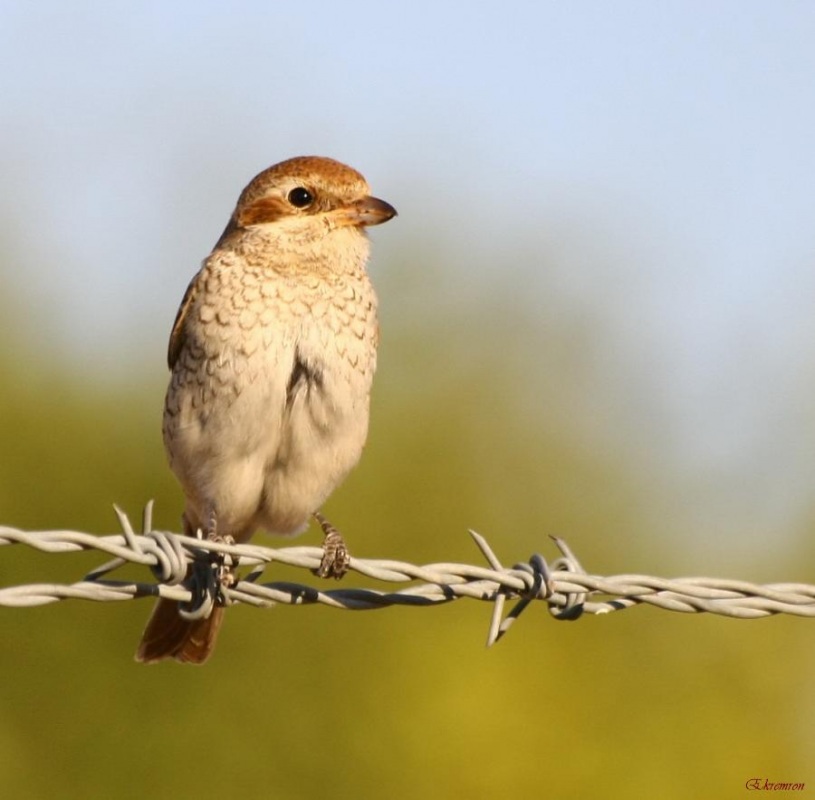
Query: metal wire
x,y
200,573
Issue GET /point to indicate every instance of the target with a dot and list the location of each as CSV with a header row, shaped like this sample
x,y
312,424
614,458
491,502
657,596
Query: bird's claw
x,y
336,558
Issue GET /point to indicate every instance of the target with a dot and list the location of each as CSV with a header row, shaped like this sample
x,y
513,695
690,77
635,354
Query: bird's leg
x,y
220,564
336,557
212,525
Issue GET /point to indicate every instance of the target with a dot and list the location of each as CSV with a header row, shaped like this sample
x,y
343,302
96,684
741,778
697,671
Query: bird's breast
x,y
276,344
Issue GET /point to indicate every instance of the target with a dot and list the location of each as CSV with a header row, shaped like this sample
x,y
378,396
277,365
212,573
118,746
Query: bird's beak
x,y
367,211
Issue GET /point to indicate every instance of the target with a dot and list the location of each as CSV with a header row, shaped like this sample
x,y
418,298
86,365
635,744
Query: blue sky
x,y
648,166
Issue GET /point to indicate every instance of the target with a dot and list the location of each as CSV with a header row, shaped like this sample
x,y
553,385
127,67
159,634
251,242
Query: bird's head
x,y
305,199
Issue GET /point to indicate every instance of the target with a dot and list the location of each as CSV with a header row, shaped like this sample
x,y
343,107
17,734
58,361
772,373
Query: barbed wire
x,y
567,589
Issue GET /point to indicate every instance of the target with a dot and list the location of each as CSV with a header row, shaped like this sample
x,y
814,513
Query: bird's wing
x,y
177,334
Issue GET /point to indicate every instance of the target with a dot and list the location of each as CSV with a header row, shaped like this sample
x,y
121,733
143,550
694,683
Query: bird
x,y
272,355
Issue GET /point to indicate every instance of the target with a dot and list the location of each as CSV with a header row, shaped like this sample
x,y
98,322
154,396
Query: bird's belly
x,y
322,434
269,454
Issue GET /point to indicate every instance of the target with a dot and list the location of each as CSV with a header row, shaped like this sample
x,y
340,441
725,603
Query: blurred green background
x,y
596,317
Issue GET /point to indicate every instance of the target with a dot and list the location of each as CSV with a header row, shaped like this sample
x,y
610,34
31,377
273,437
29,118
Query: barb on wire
x,y
566,588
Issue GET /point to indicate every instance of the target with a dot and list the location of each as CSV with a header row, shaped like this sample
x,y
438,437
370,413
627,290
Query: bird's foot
x,y
217,573
224,569
336,557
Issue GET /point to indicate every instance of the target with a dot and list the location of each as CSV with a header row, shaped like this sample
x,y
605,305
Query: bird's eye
x,y
300,197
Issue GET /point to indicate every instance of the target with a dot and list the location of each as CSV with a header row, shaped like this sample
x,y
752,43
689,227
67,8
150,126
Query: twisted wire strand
x,y
178,562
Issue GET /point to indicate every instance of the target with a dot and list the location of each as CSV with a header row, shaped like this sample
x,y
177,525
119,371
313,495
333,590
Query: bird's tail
x,y
169,635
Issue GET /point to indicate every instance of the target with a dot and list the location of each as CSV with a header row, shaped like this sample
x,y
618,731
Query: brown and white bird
x,y
272,355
